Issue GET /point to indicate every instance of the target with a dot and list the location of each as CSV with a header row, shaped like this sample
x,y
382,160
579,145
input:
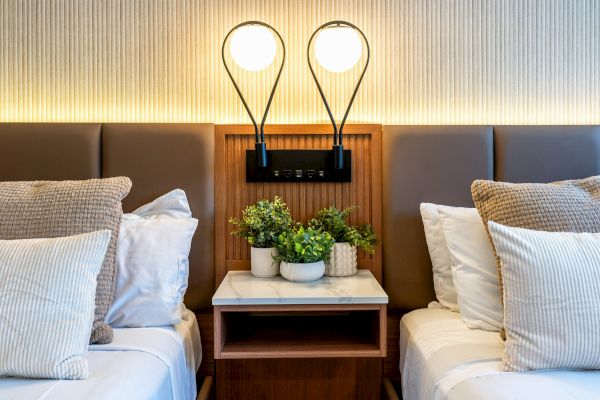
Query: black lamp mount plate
x,y
298,166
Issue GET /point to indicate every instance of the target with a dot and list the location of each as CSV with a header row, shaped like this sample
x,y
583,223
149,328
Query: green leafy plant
x,y
333,221
304,245
263,222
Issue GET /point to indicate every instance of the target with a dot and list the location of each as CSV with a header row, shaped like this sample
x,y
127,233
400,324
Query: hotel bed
x,y
140,363
442,359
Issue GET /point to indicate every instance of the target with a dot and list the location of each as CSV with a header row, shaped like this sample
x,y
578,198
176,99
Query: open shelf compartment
x,y
300,331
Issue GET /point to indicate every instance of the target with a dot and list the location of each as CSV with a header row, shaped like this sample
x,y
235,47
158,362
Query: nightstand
x,y
279,339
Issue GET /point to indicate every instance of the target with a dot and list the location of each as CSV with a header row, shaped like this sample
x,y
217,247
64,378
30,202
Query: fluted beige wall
x,y
433,61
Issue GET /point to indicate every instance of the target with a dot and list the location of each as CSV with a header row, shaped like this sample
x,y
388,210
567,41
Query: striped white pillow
x,y
47,292
551,298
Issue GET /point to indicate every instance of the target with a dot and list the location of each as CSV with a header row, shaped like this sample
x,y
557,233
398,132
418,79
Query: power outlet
x,y
298,166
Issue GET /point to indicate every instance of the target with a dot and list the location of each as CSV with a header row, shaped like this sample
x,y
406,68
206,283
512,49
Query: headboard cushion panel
x,y
162,157
546,153
434,164
48,151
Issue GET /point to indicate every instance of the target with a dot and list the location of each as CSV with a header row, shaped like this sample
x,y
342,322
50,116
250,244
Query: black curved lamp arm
x,y
235,85
337,134
312,71
357,83
259,136
262,123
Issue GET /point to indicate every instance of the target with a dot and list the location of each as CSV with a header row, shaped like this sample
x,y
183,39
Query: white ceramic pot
x,y
342,261
302,272
262,264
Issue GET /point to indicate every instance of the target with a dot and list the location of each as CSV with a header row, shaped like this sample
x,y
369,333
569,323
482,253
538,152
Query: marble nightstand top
x,y
241,288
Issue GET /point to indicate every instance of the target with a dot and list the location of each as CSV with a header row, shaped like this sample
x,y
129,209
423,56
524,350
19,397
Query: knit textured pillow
x,y
566,206
48,209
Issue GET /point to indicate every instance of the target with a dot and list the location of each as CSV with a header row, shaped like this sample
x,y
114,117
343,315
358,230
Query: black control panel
x,y
298,166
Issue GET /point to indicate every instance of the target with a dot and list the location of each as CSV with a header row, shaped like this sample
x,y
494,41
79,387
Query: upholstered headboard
x,y
438,163
157,158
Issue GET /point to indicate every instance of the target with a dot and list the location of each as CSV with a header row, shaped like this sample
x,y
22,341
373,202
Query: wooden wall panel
x,y
300,379
233,193
391,363
206,325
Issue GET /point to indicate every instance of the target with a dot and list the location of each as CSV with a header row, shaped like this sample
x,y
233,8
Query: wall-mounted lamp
x,y
253,48
338,47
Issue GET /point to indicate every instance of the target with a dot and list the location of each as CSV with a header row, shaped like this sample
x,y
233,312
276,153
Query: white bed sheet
x,y
140,363
440,358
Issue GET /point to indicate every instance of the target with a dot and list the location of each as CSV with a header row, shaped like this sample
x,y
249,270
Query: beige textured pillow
x,y
566,206
47,209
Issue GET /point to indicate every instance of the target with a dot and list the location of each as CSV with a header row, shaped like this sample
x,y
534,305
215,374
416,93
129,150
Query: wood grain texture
x,y
233,193
433,61
299,379
391,364
205,323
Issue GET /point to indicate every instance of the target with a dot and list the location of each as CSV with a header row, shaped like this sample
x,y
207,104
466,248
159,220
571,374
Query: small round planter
x,y
305,272
342,261
262,264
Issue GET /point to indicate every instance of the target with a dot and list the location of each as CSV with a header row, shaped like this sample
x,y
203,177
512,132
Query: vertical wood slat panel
x,y
433,61
233,192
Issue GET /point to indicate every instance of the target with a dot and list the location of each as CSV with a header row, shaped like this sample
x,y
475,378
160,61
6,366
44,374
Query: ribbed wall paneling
x,y
434,61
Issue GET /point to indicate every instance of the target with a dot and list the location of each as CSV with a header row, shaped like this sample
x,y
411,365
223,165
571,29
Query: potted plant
x,y
343,260
303,252
261,224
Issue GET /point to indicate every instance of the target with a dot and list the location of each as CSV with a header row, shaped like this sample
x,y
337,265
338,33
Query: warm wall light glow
x,y
160,62
253,47
338,48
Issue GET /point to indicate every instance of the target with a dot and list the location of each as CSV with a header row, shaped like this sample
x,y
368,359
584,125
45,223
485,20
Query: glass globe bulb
x,y
253,47
338,49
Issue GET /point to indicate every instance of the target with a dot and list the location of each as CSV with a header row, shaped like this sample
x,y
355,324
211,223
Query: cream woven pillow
x,y
47,209
551,298
566,206
47,304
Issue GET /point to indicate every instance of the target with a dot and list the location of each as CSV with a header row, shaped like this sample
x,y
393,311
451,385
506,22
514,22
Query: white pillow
x,y
551,298
173,204
440,257
152,263
47,292
473,268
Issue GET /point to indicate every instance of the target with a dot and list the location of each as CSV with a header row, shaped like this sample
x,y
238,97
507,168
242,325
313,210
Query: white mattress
x,y
440,358
140,363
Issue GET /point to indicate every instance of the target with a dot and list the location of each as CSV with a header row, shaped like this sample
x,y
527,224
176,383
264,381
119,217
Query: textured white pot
x,y
262,264
302,272
342,261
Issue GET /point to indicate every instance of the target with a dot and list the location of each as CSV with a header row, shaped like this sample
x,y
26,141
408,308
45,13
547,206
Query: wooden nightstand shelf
x,y
329,319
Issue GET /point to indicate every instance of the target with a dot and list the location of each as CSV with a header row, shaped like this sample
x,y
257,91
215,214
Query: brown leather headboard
x,y
424,164
546,153
49,151
157,158
438,163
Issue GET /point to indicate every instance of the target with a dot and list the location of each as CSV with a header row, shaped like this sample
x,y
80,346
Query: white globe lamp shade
x,y
338,48
253,47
